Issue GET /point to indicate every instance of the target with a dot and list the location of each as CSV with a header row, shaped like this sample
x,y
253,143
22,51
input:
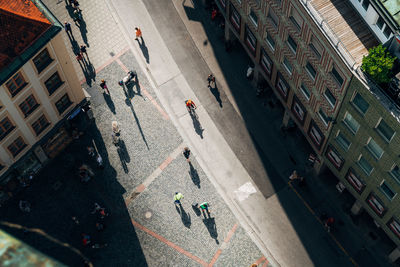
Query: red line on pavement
x,y
169,243
121,65
226,241
165,163
260,260
265,263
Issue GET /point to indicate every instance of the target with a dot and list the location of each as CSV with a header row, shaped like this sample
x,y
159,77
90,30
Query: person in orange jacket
x,y
138,33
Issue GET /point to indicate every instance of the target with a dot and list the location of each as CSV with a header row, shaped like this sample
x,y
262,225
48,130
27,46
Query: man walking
x,y
211,78
138,33
68,29
186,153
177,198
204,207
83,50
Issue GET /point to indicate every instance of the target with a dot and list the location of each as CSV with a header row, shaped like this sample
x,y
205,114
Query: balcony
x,y
343,27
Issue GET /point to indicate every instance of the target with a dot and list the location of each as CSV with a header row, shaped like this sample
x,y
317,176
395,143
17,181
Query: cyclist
x,y
190,105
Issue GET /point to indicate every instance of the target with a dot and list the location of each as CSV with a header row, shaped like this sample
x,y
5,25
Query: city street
x,y
240,162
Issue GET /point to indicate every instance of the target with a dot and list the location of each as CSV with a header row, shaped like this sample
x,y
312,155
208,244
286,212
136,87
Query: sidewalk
x,y
270,220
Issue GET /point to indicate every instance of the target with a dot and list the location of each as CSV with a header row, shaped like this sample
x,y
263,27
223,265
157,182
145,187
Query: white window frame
x,y
348,126
384,192
361,167
327,98
341,144
381,134
368,147
255,22
355,105
306,92
309,73
272,46
397,179
326,122
290,71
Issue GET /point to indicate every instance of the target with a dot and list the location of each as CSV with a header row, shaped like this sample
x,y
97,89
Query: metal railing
x,y
329,33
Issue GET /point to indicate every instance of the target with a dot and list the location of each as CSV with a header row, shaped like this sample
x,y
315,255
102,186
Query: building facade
x,y
310,52
39,89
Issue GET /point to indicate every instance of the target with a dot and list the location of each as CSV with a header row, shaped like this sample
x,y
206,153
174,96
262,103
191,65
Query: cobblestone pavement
x,y
137,184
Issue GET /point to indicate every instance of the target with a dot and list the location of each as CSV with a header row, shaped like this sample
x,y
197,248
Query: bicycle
x,y
191,107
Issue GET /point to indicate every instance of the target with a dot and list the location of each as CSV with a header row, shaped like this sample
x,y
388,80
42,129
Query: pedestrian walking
x,y
177,198
77,17
83,50
204,207
294,176
76,221
186,153
138,34
85,239
91,151
99,227
68,29
79,58
103,85
211,78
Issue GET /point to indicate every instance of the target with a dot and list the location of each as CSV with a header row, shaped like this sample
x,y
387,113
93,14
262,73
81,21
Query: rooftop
x,y
25,27
348,27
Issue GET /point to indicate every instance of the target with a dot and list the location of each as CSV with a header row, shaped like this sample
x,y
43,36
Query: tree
x,y
378,64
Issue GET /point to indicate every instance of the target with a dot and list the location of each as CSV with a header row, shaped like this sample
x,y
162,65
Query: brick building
x,y
310,52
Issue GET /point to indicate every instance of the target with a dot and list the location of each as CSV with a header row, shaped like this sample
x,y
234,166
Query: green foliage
x,y
378,64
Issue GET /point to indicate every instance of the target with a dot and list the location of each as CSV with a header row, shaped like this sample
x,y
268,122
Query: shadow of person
x,y
124,151
91,72
138,88
144,49
185,217
109,102
194,175
82,28
211,227
214,90
197,126
121,155
196,209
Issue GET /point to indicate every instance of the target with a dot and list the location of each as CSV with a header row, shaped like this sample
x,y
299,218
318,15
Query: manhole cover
x,y
148,215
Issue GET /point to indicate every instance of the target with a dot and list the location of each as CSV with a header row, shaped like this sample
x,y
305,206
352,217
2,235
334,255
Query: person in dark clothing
x,y
186,153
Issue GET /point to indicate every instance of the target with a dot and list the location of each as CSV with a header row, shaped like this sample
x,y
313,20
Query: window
x,y
28,105
385,131
375,149
387,191
63,104
325,119
53,83
270,41
17,146
296,19
343,141
292,44
42,60
316,47
305,91
16,84
364,165
380,22
365,4
253,17
387,31
351,123
311,71
40,124
337,76
6,127
274,19
287,65
395,173
360,104
239,1
330,97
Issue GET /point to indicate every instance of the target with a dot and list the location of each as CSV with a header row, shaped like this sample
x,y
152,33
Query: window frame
x,y
335,74
32,108
13,80
362,168
371,150
54,86
46,63
65,107
313,78
19,148
292,18
348,125
6,131
343,141
327,97
251,13
365,4
305,91
324,118
314,47
389,188
268,38
397,168
43,126
286,61
291,42
381,133
385,31
273,18
357,107
377,22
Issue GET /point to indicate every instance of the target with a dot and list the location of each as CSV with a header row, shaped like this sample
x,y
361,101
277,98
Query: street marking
x,y
169,243
108,62
140,188
224,245
152,100
313,213
260,260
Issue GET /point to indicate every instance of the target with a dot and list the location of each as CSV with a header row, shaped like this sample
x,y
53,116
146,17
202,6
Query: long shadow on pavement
x,y
57,194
